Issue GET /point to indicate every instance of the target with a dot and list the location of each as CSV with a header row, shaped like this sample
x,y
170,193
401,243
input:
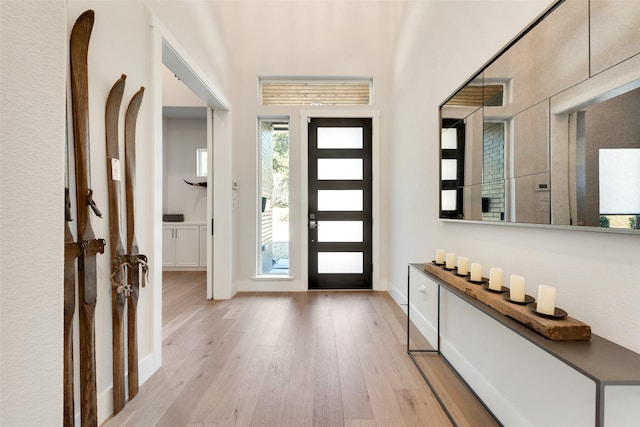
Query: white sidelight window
x,y
273,197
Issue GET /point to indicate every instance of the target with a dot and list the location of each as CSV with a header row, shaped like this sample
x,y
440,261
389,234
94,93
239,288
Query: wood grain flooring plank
x,y
464,407
236,405
180,320
360,423
384,304
179,411
181,289
420,409
327,394
235,351
298,407
274,324
385,406
355,398
273,393
357,323
289,359
383,349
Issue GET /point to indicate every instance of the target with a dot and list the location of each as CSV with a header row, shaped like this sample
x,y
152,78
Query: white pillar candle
x,y
451,261
463,265
476,271
546,299
516,287
495,278
440,256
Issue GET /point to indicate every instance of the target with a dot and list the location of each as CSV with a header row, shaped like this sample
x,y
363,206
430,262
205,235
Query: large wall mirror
x,y
548,132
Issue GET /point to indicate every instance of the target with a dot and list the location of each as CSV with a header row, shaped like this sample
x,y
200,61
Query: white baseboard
x,y
428,330
380,285
269,284
285,284
398,296
146,369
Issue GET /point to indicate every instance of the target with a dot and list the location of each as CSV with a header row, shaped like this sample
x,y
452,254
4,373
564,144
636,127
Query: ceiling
x,y
178,101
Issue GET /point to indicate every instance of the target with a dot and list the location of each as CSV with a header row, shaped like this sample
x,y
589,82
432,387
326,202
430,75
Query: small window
x,y
314,93
201,162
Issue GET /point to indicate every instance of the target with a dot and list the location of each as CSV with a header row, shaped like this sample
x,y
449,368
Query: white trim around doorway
x,y
166,50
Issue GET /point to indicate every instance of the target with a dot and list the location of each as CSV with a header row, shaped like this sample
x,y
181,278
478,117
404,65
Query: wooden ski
x,y
87,289
72,251
136,260
118,289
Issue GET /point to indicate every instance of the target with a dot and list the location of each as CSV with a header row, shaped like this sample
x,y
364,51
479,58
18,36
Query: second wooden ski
x,y
116,250
137,261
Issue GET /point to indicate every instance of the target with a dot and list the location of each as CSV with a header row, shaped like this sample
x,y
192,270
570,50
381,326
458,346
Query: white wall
x,y
182,138
441,45
31,208
291,38
34,66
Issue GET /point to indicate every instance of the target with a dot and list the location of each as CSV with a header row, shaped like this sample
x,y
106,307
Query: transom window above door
x,y
280,91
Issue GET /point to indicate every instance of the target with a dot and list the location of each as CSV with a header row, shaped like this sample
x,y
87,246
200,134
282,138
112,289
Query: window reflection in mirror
x,y
493,188
452,160
606,142
618,185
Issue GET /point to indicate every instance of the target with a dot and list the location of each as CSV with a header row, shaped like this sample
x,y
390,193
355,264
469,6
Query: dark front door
x,y
340,205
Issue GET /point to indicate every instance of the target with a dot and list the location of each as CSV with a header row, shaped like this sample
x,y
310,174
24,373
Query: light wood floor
x,y
286,359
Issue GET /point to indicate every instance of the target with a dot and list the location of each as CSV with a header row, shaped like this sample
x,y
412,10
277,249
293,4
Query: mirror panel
x,y
536,66
530,202
527,150
474,148
525,199
536,151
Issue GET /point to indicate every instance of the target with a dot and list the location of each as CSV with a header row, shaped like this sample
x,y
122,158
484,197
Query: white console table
x,y
522,377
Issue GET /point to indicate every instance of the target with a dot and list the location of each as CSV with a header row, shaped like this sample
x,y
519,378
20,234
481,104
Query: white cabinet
x,y
203,246
181,246
168,246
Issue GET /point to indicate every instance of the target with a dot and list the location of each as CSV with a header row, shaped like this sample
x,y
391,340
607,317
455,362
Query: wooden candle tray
x,y
566,329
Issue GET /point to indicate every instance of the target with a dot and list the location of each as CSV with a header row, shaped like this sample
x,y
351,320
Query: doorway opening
x,y
184,194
